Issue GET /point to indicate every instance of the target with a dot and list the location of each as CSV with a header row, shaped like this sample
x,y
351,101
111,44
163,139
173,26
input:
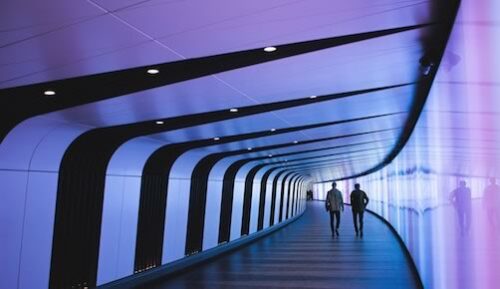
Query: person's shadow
x,y
461,200
491,200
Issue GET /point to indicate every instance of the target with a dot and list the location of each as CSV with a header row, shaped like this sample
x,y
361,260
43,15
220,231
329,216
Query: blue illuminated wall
x,y
454,239
29,168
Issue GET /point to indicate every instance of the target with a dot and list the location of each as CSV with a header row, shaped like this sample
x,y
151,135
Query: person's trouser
x,y
464,219
333,215
358,215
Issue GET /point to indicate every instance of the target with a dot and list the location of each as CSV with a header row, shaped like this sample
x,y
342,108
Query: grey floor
x,y
304,255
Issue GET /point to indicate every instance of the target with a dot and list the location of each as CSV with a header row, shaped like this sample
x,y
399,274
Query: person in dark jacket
x,y
461,200
359,200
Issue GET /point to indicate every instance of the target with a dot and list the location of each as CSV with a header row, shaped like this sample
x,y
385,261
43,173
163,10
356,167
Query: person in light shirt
x,y
334,204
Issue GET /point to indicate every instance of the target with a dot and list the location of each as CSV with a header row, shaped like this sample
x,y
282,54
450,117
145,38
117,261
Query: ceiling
x,y
59,40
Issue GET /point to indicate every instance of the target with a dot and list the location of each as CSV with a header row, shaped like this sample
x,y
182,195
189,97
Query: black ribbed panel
x,y
78,214
197,203
283,192
289,199
301,194
227,200
294,186
273,201
152,206
298,192
299,188
149,239
295,195
247,199
262,200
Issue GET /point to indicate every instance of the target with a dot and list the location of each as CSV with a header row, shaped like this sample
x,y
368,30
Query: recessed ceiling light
x,y
313,96
270,49
270,156
160,122
216,138
273,129
295,141
233,110
249,149
153,71
49,92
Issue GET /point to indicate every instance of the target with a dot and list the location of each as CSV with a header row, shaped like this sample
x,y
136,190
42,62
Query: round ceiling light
x,y
153,71
270,49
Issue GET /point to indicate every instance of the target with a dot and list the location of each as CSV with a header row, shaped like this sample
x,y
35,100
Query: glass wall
x,y
442,192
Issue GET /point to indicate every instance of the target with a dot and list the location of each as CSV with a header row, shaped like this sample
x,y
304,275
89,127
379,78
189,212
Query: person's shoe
x,y
337,232
361,234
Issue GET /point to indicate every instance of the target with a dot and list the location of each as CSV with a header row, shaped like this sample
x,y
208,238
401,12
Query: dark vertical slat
x,y
247,200
294,186
77,224
273,200
262,200
227,200
288,192
197,204
283,192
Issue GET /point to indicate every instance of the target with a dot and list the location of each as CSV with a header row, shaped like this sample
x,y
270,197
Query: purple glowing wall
x,y
454,239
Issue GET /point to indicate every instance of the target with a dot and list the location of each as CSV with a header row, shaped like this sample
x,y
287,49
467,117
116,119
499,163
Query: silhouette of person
x,y
461,200
334,203
491,198
309,195
359,201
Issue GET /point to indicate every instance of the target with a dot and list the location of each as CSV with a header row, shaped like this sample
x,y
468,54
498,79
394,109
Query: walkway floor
x,y
304,255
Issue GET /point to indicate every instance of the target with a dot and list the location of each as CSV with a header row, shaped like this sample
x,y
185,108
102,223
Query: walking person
x,y
491,202
461,200
359,200
334,203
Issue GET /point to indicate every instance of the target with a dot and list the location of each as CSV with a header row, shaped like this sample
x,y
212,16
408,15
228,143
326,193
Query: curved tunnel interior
x,y
136,137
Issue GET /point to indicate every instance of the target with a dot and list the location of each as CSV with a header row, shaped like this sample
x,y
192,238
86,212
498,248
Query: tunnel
x,y
228,144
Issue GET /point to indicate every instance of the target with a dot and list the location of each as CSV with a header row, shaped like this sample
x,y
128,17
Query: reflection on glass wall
x,y
442,193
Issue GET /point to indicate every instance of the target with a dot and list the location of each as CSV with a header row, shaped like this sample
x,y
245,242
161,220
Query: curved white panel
x,y
30,157
254,210
279,198
120,209
213,205
269,191
176,217
239,190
